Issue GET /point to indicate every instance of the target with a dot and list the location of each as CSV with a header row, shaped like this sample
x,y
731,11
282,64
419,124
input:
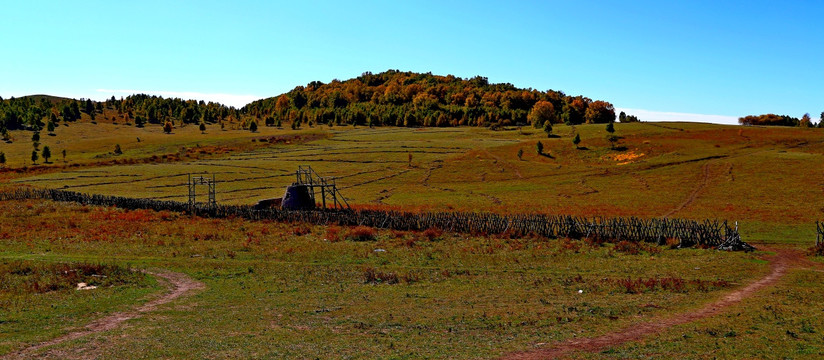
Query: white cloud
x,y
650,115
235,100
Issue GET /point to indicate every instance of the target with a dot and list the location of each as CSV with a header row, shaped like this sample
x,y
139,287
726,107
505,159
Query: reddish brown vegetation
x,y
361,233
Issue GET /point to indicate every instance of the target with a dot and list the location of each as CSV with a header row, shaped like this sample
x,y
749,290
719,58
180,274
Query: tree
x,y
202,128
34,156
821,119
118,150
622,117
611,134
2,158
64,155
805,121
540,147
520,153
167,127
139,121
541,112
35,137
548,129
50,127
253,126
576,140
282,104
599,112
46,154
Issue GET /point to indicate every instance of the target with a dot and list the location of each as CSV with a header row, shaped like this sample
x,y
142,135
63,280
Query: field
x,y
274,290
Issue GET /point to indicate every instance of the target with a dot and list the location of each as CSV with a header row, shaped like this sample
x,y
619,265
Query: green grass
x,y
272,293
38,300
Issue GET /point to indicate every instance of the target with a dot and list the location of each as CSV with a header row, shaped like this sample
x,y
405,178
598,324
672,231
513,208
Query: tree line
x,y
781,120
45,112
395,98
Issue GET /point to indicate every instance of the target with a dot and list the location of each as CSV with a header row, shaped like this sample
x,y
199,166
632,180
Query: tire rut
x,y
783,260
178,284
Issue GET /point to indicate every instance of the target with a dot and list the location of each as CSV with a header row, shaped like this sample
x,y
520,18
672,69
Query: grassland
x,y
296,291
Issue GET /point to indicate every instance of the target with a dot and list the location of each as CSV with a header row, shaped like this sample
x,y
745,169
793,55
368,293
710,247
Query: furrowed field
x,y
276,290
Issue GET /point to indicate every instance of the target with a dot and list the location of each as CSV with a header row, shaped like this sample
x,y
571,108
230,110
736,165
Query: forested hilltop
x,y
391,98
45,112
395,98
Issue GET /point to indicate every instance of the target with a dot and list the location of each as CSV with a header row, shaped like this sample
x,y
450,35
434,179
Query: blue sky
x,y
658,58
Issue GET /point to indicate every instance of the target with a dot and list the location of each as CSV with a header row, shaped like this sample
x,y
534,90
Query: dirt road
x,y
783,260
178,285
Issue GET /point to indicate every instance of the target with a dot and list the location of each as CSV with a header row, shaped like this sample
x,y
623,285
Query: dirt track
x,y
779,263
705,178
177,283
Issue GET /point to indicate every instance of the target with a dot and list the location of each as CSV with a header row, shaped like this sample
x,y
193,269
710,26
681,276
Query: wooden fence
x,y
687,233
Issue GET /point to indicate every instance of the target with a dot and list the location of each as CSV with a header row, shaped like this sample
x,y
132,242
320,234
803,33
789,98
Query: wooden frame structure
x,y
329,191
201,180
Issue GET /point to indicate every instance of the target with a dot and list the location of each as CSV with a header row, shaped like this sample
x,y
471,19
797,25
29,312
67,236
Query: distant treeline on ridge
x,y
390,98
395,98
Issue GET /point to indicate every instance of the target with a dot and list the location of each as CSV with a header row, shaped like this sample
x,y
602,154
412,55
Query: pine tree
x,y
2,158
611,135
540,148
253,126
34,157
202,128
576,140
46,154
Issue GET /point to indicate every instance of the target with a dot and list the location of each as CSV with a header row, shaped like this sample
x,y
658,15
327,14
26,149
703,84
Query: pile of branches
x,y
684,233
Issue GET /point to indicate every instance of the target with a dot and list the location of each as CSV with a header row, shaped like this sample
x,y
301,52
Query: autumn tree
x,y
167,127
599,112
805,121
541,113
282,105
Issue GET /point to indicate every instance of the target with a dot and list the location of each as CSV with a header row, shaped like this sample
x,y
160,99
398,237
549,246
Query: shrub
x,y
333,233
373,276
816,250
432,233
627,247
361,233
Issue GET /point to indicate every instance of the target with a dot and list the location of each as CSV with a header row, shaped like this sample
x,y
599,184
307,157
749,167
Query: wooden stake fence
x,y
688,233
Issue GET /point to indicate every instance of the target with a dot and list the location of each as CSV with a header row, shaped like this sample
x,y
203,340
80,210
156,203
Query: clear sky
x,y
663,59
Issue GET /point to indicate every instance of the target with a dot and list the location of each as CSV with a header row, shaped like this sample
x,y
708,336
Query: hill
x,y
396,98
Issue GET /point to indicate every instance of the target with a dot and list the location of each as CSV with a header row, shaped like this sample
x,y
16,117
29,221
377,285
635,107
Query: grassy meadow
x,y
277,290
